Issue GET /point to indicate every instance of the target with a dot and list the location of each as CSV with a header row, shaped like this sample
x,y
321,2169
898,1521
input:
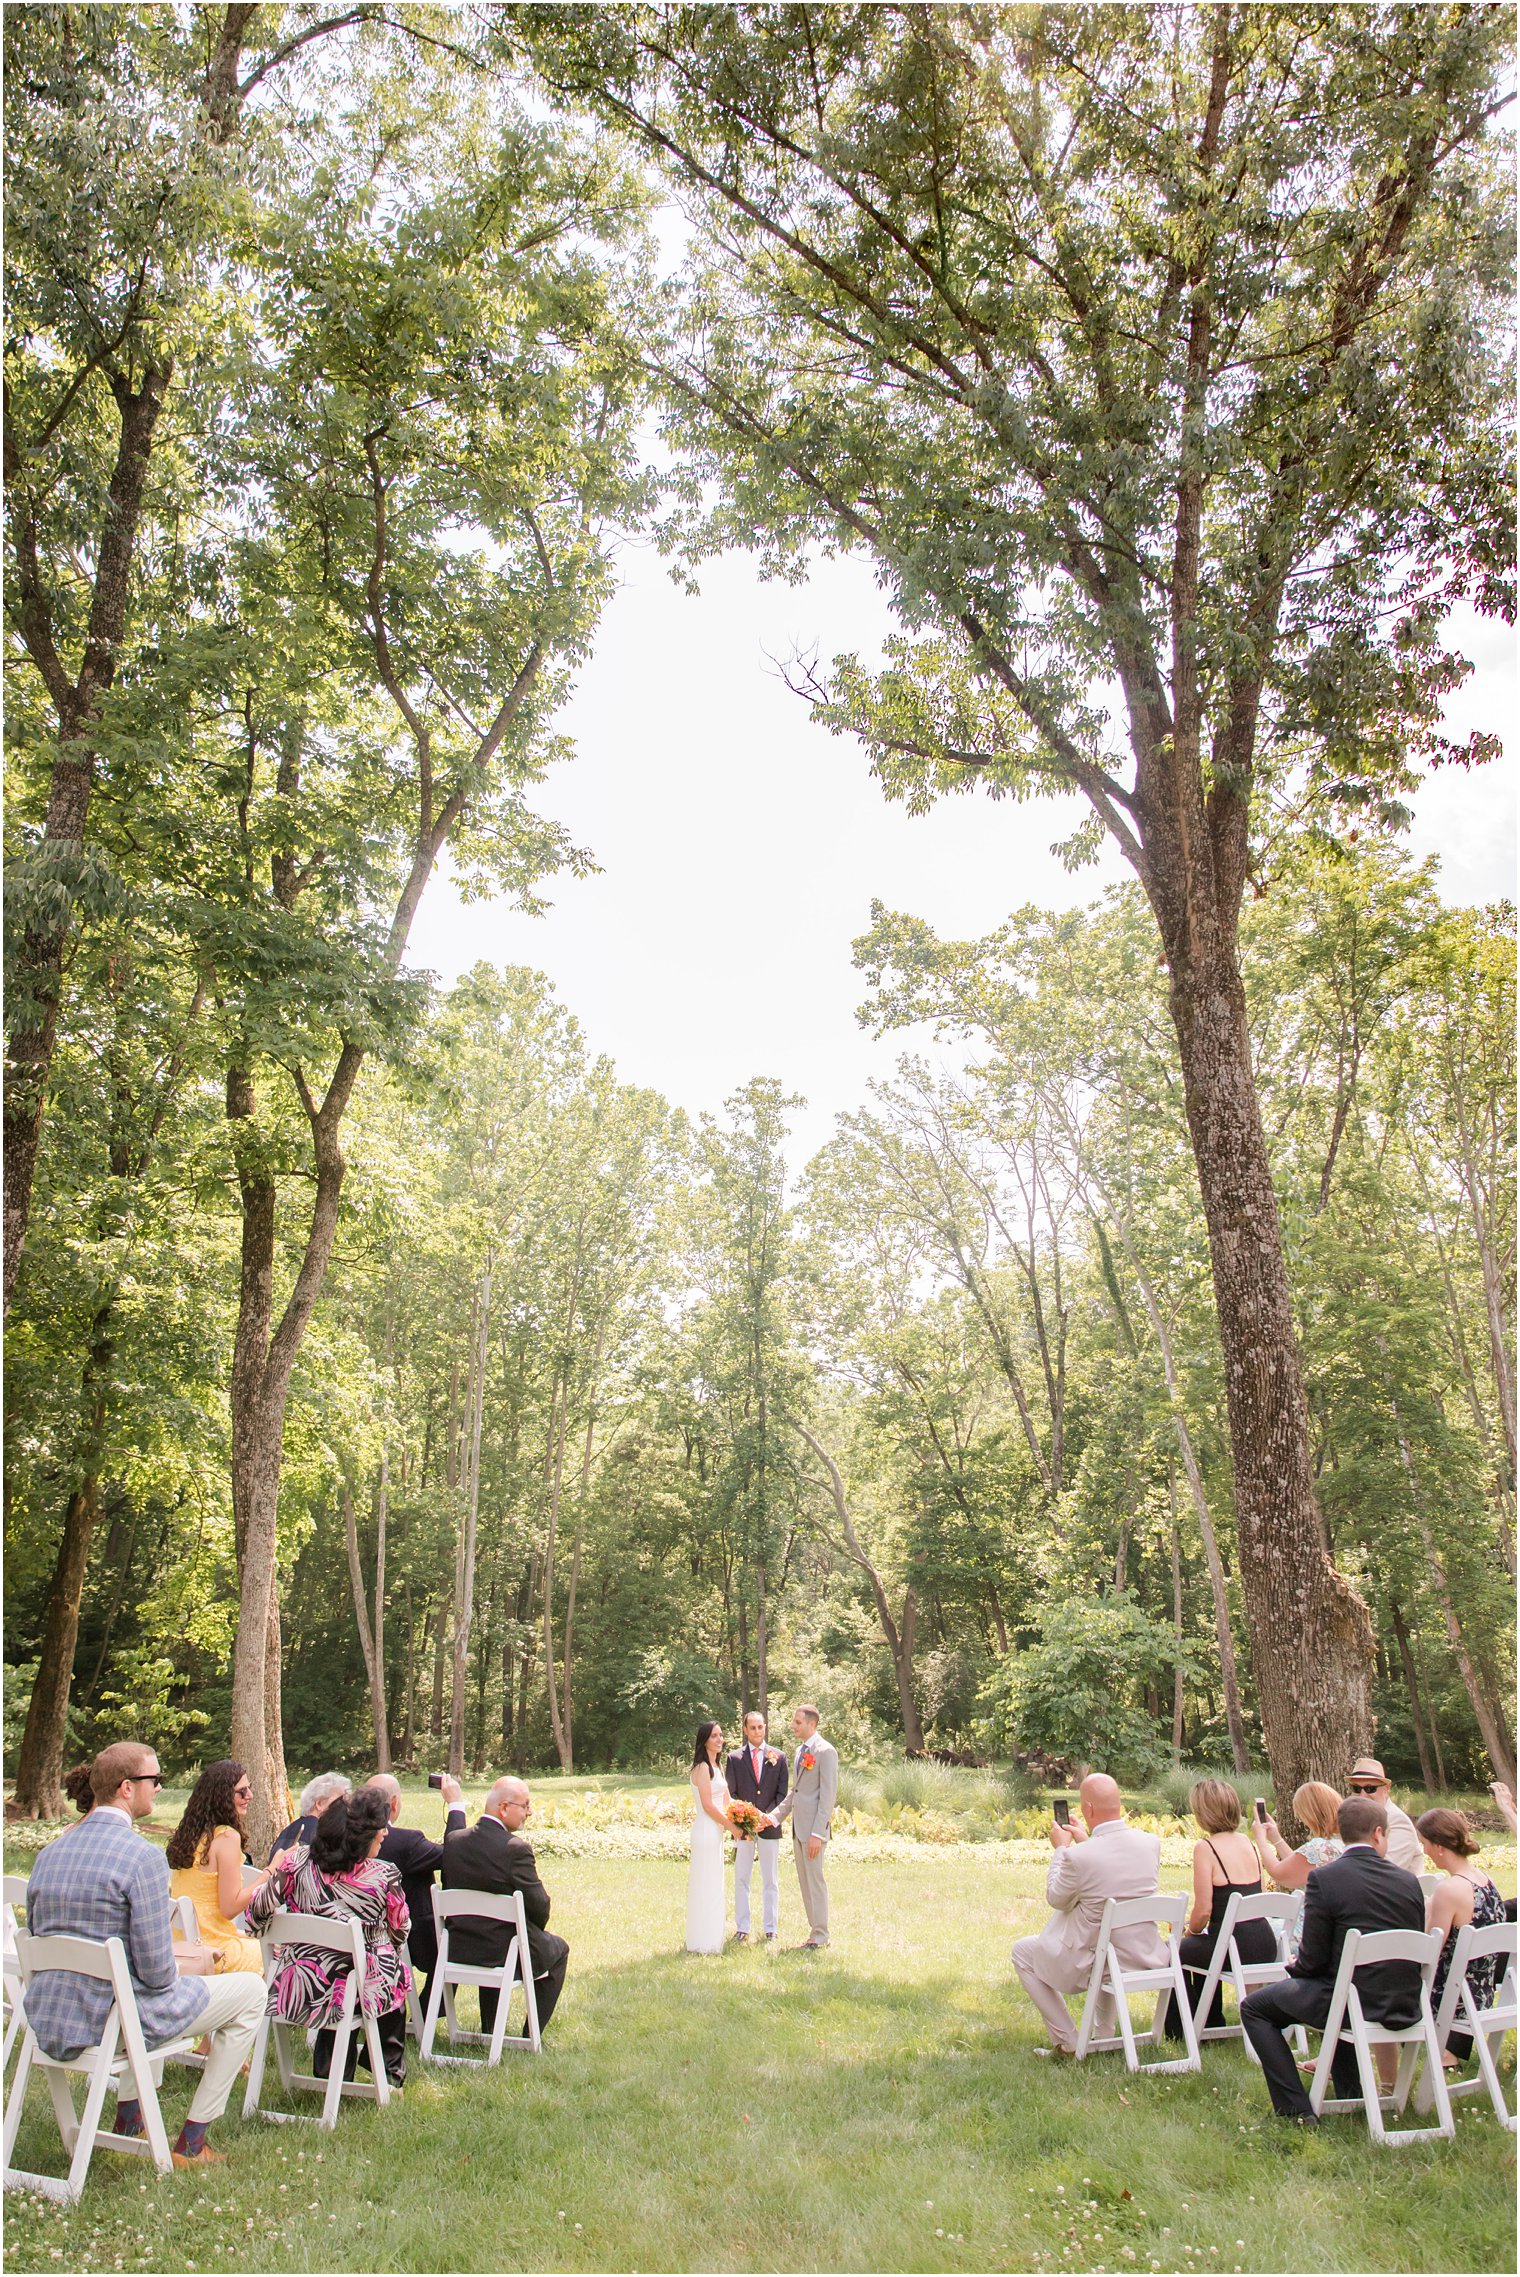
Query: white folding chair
x,y
120,2055
1111,1978
515,1968
1346,2021
12,1918
182,1921
1279,1907
328,1936
1459,2012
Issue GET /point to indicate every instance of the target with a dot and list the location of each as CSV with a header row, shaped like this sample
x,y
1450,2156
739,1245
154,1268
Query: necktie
x,y
754,1756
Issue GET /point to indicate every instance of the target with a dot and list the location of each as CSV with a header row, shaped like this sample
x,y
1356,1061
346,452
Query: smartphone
x,y
1063,1811
435,1778
1261,1810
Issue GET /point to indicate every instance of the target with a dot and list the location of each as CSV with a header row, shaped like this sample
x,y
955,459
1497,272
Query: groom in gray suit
x,y
810,1805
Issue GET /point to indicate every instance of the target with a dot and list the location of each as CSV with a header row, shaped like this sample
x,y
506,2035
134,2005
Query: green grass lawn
x,y
875,2107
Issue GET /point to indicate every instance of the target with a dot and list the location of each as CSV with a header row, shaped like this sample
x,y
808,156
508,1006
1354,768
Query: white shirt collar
x,y
1106,1826
116,1807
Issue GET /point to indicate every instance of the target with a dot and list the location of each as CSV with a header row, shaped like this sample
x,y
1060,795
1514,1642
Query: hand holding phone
x,y
1261,1810
1062,1811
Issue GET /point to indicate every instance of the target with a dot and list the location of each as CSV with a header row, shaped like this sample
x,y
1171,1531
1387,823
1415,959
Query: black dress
x,y
1254,1941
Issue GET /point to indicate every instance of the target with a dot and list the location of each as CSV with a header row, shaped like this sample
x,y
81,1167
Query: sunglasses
x,y
1366,1787
148,1779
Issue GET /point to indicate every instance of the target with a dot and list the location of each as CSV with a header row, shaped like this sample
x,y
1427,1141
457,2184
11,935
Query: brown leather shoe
x,y
205,2156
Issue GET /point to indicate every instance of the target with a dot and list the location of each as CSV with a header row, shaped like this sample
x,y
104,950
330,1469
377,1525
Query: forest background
x,y
554,1417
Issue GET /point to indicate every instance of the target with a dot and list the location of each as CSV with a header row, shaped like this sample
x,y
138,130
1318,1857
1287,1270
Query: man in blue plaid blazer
x,y
101,1879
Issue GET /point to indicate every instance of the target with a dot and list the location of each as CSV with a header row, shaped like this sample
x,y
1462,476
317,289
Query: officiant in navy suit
x,y
757,1774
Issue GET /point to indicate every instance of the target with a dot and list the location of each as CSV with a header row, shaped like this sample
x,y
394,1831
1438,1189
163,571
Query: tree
x,y
1119,341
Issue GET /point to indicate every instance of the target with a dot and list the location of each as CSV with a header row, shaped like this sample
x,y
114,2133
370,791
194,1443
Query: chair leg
x,y
1486,2065
258,2055
510,1968
377,2070
1366,2070
450,2019
434,2003
17,2096
1190,2027
1438,2075
1090,2008
338,2061
1121,2005
1319,2085
530,1990
89,2124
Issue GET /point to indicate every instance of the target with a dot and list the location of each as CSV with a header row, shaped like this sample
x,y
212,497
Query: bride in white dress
x,y
706,1905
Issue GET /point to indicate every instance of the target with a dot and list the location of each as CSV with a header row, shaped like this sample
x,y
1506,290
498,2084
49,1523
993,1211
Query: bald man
x,y
496,1855
417,1859
1101,1860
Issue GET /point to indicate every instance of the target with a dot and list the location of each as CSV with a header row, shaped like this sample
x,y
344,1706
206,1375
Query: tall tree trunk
x,y
1442,1783
435,1705
1406,1662
1177,1686
372,1668
560,1422
35,978
40,1766
464,1573
1311,1636
263,1359
382,1518
900,1641
1500,1754
762,1644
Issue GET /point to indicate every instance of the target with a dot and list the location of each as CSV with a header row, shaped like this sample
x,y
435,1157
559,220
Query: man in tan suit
x,y
1107,1860
810,1806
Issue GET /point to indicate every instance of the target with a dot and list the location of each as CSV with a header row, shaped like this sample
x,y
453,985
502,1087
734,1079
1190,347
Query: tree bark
x,y
367,1641
464,1572
1177,1686
1314,1696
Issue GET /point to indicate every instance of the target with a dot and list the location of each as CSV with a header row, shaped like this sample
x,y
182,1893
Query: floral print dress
x,y
308,1984
1487,1913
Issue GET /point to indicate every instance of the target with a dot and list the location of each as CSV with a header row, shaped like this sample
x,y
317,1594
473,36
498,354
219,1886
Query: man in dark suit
x,y
418,1859
495,1855
757,1774
1362,1889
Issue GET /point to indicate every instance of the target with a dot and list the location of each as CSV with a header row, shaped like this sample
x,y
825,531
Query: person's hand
x,y
770,1818
815,1845
1269,1827
452,1793
1060,1836
1505,1800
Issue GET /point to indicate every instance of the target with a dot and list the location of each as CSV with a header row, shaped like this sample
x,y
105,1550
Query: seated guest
x,y
417,1860
1362,1889
105,1881
315,1797
495,1855
76,1785
1106,1860
342,1875
1466,1899
1369,1778
1224,1863
206,1853
1315,1806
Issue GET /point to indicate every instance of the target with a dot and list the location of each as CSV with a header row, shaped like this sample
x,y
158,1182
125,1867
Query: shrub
x,y
1075,1692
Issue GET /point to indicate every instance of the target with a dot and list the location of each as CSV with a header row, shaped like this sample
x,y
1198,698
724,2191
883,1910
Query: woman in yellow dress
x,y
206,1853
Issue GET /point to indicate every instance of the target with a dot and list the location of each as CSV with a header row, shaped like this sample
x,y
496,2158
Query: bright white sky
x,y
740,846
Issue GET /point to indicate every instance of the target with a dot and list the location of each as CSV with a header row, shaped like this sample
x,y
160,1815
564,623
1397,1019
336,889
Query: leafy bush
x,y
1075,1693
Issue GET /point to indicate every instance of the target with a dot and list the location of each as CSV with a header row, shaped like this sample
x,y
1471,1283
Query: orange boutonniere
x,y
773,1755
808,1759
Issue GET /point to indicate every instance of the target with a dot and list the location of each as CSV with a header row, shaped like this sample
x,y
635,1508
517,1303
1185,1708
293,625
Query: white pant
x,y
1030,1959
744,1860
233,2012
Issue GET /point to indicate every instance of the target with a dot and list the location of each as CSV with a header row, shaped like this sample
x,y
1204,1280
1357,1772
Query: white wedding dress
x,y
706,1904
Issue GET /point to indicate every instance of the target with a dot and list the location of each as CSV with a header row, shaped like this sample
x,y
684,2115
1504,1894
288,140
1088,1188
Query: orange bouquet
x,y
745,1821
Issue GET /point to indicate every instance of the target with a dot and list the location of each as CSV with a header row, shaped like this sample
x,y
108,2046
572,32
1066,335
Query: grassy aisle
x,y
878,2107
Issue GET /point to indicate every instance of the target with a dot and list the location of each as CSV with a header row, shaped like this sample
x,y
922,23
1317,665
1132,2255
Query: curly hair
x,y
210,1806
347,1828
76,1785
